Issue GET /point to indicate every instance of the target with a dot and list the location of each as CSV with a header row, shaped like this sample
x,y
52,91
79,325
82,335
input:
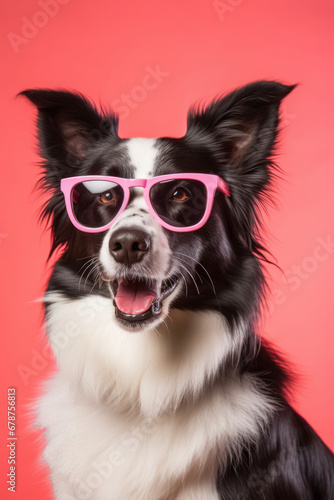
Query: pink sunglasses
x,y
179,202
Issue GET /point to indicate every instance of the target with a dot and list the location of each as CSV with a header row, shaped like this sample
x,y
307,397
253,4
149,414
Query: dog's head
x,y
144,241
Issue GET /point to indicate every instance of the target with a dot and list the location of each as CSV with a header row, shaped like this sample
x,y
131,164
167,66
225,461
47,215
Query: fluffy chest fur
x,y
141,422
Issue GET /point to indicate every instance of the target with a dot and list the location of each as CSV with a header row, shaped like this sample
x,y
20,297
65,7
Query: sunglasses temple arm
x,y
223,187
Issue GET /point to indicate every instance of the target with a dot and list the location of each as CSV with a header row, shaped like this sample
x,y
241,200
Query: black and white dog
x,y
164,389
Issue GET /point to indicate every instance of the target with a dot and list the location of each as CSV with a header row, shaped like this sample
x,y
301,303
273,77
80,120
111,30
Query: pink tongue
x,y
132,298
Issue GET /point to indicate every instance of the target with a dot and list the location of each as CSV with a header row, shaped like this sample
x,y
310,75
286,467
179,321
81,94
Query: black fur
x,y
234,137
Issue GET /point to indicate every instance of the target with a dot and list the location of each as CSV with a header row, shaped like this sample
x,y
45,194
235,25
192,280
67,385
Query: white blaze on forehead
x,y
143,153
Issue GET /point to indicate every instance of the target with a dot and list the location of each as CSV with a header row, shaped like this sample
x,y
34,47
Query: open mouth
x,y
138,301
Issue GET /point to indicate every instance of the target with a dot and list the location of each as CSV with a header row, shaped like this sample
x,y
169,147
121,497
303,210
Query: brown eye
x,y
180,195
107,197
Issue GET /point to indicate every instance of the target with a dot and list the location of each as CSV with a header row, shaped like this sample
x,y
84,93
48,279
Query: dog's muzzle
x,y
138,297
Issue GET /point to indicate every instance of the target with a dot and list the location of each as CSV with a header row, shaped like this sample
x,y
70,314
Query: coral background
x,y
151,60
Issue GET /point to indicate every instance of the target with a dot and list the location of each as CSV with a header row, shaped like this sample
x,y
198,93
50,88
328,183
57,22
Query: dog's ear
x,y
68,126
242,127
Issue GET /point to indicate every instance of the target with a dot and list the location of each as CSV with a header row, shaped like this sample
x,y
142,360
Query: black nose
x,y
129,246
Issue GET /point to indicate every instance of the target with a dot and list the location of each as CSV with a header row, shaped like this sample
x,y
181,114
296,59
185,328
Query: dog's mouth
x,y
139,301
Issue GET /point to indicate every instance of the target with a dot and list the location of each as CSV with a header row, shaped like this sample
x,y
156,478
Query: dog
x,y
164,389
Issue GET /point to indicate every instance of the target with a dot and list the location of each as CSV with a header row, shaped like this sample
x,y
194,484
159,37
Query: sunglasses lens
x,y
96,203
179,202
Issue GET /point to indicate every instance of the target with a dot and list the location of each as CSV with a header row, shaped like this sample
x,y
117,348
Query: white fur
x,y
142,153
139,416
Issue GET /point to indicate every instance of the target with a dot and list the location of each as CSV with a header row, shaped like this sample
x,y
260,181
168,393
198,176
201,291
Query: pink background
x,y
106,49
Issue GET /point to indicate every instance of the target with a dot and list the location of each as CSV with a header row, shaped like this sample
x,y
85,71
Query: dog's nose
x,y
129,246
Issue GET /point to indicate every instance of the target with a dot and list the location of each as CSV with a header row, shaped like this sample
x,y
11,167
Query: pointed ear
x,y
68,126
243,124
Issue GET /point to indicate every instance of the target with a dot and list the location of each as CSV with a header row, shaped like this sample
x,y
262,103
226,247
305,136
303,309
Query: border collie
x,y
164,389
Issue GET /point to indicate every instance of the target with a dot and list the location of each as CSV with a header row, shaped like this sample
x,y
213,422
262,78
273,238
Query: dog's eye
x,y
180,195
107,197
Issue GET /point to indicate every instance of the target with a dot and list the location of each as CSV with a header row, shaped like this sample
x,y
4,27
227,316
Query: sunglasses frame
x,y
211,182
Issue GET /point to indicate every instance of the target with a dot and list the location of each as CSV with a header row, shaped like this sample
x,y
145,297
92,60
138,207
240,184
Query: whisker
x,y
185,262
86,267
89,257
91,271
185,282
166,324
96,281
157,334
92,262
192,277
197,262
87,264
